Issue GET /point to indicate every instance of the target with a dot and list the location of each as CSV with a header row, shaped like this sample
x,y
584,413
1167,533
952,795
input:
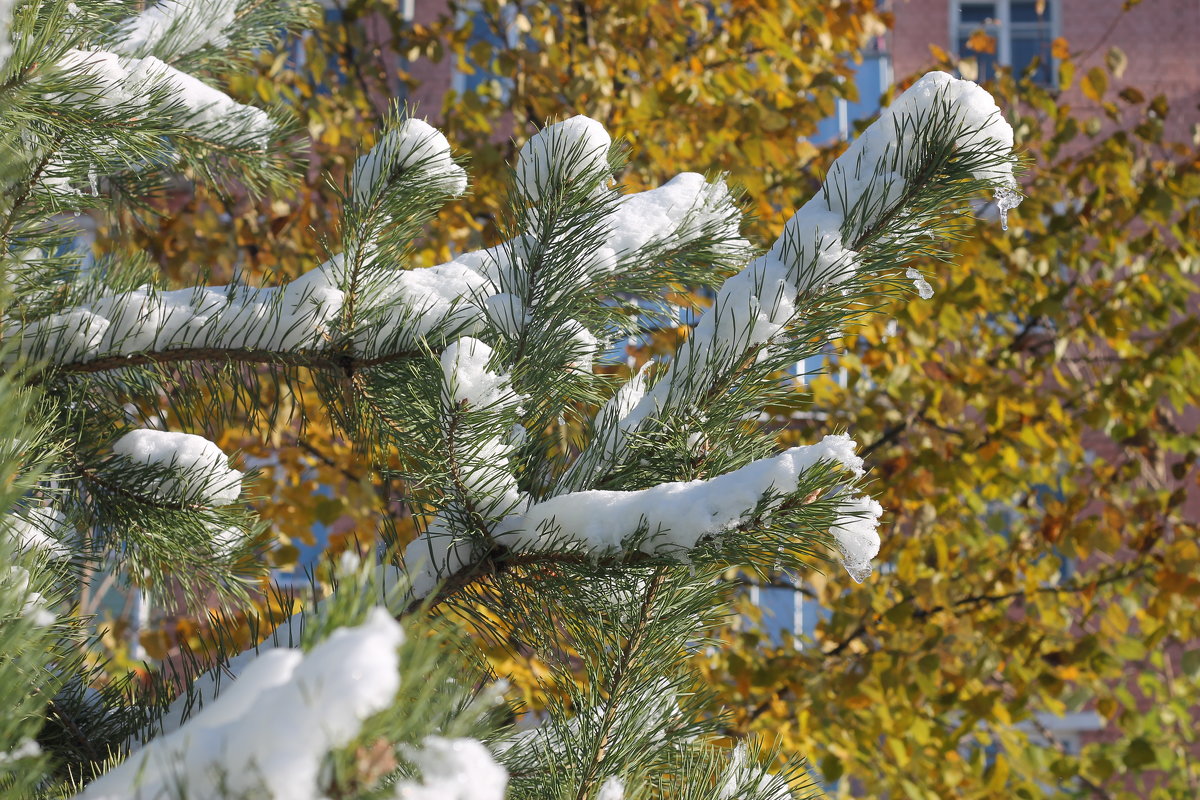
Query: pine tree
x,y
558,511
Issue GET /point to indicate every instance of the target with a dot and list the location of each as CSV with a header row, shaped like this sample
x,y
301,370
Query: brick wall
x,y
434,78
1160,38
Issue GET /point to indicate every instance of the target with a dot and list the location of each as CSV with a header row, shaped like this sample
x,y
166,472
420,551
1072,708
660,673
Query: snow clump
x,y
39,529
202,470
453,769
414,147
268,732
563,152
110,81
675,516
173,28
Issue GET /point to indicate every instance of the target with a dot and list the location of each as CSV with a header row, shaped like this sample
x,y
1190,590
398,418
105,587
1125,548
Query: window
x,y
786,607
1007,33
872,77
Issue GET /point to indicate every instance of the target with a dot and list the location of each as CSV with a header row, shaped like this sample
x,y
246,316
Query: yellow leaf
x,y
156,643
1059,48
1094,84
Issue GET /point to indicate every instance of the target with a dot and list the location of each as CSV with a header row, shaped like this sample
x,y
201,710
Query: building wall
x,y
1160,38
434,79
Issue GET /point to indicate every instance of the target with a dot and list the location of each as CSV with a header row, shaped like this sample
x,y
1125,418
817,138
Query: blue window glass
x,y
483,38
985,61
871,78
1032,11
778,605
976,13
1022,31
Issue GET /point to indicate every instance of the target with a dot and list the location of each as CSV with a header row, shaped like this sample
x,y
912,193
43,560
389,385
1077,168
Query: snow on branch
x,y
16,582
268,733
39,529
415,151
110,81
480,469
172,28
676,516
215,318
197,469
669,519
563,153
400,309
940,125
6,48
478,437
453,769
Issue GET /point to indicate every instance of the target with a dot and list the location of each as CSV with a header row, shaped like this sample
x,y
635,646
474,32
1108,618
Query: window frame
x,y
1003,29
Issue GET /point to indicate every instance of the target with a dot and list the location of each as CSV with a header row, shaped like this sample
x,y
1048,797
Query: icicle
x,y
1006,200
923,287
858,572
93,179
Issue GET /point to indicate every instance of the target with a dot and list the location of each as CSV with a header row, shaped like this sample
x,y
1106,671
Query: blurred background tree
x,y
1039,448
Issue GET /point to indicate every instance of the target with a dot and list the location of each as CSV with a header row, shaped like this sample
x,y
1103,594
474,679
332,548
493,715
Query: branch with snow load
x,y
482,478
302,323
940,133
669,520
109,81
269,731
180,467
566,251
41,529
173,28
412,151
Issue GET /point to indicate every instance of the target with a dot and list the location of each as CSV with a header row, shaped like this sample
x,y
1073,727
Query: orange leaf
x,y
1060,49
980,42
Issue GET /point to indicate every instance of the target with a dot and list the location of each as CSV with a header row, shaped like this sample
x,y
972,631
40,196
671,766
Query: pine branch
x,y
339,362
613,690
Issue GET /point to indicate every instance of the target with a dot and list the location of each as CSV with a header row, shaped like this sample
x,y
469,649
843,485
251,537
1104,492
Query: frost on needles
x,y
585,515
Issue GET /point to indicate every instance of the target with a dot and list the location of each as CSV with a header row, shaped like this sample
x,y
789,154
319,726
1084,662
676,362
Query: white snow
x,y
201,469
35,609
6,9
814,252
69,336
453,769
744,776
211,112
584,345
400,307
42,529
923,287
27,748
612,789
418,303
468,379
108,80
268,732
506,312
676,211
414,146
565,151
173,28
294,317
675,516
856,534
